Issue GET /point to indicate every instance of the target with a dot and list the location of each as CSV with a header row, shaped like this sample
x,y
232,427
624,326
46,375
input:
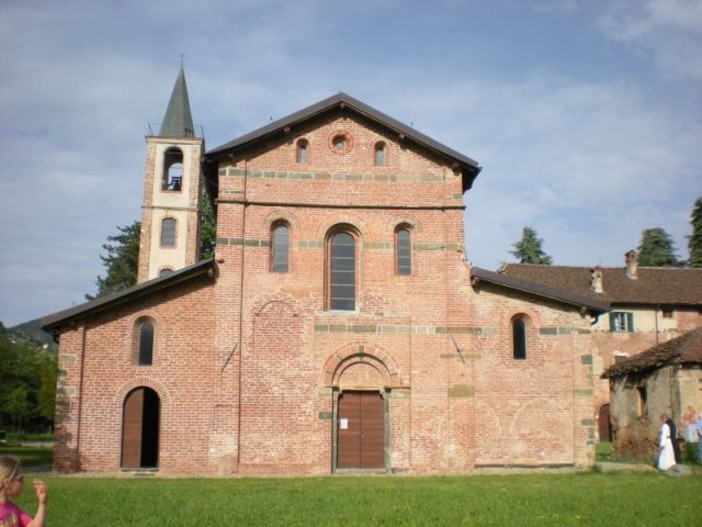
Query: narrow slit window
x,y
301,152
342,272
643,401
519,348
379,159
168,232
145,354
280,248
403,252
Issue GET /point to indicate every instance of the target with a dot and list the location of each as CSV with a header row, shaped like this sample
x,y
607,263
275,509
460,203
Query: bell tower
x,y
170,232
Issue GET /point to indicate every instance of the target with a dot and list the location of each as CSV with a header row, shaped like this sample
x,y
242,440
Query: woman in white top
x,y
666,456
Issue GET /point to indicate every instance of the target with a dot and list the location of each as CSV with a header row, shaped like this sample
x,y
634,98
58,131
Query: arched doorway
x,y
140,429
604,427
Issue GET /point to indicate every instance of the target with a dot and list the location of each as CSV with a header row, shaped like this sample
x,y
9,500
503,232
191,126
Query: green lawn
x,y
29,456
584,499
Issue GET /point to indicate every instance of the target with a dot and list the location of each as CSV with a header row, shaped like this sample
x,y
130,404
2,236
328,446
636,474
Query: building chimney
x,y
630,260
596,280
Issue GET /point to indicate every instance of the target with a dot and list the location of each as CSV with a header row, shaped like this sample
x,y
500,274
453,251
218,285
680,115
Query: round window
x,y
340,142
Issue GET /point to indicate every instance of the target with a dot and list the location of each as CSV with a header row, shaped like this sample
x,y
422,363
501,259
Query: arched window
x,y
172,179
168,232
165,272
379,159
342,272
519,333
280,248
301,151
403,251
145,352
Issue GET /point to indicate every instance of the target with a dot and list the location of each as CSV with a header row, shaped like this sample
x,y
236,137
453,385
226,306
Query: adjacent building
x,y
664,379
649,306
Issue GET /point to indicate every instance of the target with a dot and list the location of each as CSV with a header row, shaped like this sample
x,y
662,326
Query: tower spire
x,y
178,121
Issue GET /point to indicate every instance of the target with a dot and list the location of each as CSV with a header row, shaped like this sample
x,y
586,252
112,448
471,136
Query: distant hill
x,y
32,333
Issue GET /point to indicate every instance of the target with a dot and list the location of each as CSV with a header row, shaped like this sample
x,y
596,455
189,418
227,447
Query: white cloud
x,y
589,158
670,30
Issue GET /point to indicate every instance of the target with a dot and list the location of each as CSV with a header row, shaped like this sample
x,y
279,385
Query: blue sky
x,y
586,115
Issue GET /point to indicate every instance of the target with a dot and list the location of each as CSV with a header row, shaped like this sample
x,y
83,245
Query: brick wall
x,y
249,368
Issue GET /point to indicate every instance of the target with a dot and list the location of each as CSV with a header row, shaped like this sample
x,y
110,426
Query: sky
x,y
586,115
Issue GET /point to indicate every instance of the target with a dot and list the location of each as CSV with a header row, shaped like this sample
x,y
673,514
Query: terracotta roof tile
x,y
685,349
653,285
554,293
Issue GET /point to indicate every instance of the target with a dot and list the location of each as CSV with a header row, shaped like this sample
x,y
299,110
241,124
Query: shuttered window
x,y
621,322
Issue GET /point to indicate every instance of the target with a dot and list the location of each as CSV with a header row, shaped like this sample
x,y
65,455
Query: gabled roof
x,y
178,121
653,285
469,167
56,320
685,349
524,286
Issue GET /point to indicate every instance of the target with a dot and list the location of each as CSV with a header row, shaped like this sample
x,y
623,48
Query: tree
x,y
27,383
17,406
694,243
657,249
529,250
208,231
122,258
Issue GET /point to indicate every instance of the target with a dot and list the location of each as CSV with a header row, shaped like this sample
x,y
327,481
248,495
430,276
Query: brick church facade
x,y
339,326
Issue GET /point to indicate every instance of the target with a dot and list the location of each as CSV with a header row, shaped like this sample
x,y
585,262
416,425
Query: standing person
x,y
674,439
698,427
666,457
11,485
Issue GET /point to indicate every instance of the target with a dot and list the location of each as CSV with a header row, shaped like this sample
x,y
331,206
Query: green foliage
x,y
689,453
208,232
604,451
28,376
657,249
17,406
582,499
29,456
694,243
121,260
122,251
528,250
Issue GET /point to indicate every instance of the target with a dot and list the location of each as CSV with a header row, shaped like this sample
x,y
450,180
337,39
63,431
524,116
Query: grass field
x,y
560,499
584,499
30,456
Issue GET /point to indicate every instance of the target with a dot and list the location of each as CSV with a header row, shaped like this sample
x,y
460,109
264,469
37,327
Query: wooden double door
x,y
360,431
